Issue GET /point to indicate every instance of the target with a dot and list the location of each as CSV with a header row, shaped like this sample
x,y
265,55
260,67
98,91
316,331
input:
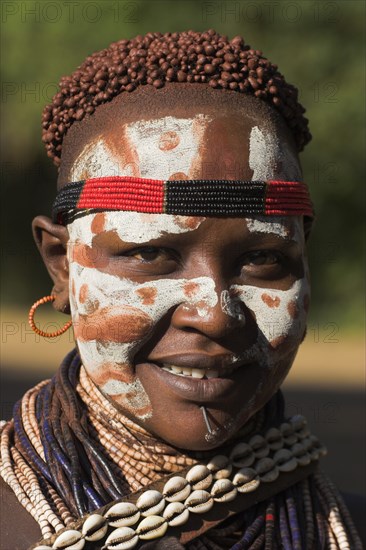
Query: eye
x,y
149,254
146,254
264,264
262,257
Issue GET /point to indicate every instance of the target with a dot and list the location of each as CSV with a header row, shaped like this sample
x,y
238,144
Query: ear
x,y
51,240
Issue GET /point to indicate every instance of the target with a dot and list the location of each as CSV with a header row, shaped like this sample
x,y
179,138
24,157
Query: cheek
x,y
280,314
108,309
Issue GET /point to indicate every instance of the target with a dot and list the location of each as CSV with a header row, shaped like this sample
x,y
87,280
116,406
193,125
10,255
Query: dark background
x,y
319,47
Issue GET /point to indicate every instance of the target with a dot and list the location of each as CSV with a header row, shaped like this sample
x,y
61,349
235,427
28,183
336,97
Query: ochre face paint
x,y
164,148
128,319
113,316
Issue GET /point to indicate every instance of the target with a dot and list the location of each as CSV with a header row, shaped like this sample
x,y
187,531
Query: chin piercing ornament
x,y
33,326
205,418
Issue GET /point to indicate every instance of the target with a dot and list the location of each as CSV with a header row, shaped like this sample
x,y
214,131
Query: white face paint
x,y
95,161
134,227
159,149
168,145
280,315
268,155
282,226
119,313
113,316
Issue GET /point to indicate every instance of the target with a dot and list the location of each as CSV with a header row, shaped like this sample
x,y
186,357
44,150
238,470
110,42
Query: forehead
x,y
137,228
190,136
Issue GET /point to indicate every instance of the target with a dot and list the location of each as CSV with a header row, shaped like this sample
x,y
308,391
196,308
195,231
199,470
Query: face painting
x,y
175,312
114,315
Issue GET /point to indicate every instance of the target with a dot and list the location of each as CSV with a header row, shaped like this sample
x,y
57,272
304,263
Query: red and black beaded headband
x,y
229,198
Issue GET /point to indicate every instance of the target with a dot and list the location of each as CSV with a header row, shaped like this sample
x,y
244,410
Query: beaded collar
x,y
67,448
227,198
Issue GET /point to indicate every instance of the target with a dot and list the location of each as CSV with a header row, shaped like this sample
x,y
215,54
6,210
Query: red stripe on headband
x,y
287,197
137,194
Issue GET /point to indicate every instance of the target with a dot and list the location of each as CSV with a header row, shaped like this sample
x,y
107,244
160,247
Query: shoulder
x,y
356,505
18,528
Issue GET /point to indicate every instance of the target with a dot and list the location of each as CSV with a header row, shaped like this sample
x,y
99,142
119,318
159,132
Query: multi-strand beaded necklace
x,y
68,453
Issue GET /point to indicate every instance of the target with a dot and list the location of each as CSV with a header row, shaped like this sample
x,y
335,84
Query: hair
x,y
156,59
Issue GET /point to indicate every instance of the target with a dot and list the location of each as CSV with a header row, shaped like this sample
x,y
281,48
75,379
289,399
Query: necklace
x,y
65,428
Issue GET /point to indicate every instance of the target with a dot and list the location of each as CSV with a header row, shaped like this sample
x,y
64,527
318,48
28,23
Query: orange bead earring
x,y
32,310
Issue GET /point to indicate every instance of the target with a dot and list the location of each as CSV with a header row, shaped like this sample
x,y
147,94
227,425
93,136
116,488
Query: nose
x,y
218,321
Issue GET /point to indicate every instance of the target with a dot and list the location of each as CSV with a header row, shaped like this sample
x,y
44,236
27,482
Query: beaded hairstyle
x,y
157,59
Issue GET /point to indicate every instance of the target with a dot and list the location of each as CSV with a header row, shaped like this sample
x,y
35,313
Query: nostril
x,y
232,306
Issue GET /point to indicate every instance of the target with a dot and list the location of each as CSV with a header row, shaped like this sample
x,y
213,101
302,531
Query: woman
x,y
179,250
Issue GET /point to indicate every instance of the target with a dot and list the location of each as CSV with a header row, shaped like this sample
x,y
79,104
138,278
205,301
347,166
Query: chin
x,y
193,434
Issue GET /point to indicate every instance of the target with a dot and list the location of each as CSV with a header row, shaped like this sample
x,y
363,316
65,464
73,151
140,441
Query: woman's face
x,y
172,313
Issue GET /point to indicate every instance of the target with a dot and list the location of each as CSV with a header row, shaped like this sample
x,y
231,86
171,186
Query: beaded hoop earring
x,y
32,324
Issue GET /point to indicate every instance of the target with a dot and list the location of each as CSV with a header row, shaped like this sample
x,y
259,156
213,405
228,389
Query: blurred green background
x,y
318,45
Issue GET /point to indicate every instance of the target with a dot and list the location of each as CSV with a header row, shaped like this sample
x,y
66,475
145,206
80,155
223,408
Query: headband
x,y
227,198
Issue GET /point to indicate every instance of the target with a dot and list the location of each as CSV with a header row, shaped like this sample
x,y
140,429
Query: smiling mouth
x,y
199,373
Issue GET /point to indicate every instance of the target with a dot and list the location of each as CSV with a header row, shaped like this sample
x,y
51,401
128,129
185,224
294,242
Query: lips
x,y
199,378
198,366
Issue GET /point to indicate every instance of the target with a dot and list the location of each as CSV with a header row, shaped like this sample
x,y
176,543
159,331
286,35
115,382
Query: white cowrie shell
x,y
223,490
274,439
220,467
286,429
270,476
43,547
176,514
304,460
122,538
152,527
317,446
267,470
300,453
314,454
246,480
285,461
242,455
199,502
94,527
288,432
199,477
69,540
259,445
123,514
264,465
176,489
304,432
308,444
150,503
290,439
298,422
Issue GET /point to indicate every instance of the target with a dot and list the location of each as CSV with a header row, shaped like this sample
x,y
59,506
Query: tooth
x,y
167,369
187,371
212,373
198,373
175,369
